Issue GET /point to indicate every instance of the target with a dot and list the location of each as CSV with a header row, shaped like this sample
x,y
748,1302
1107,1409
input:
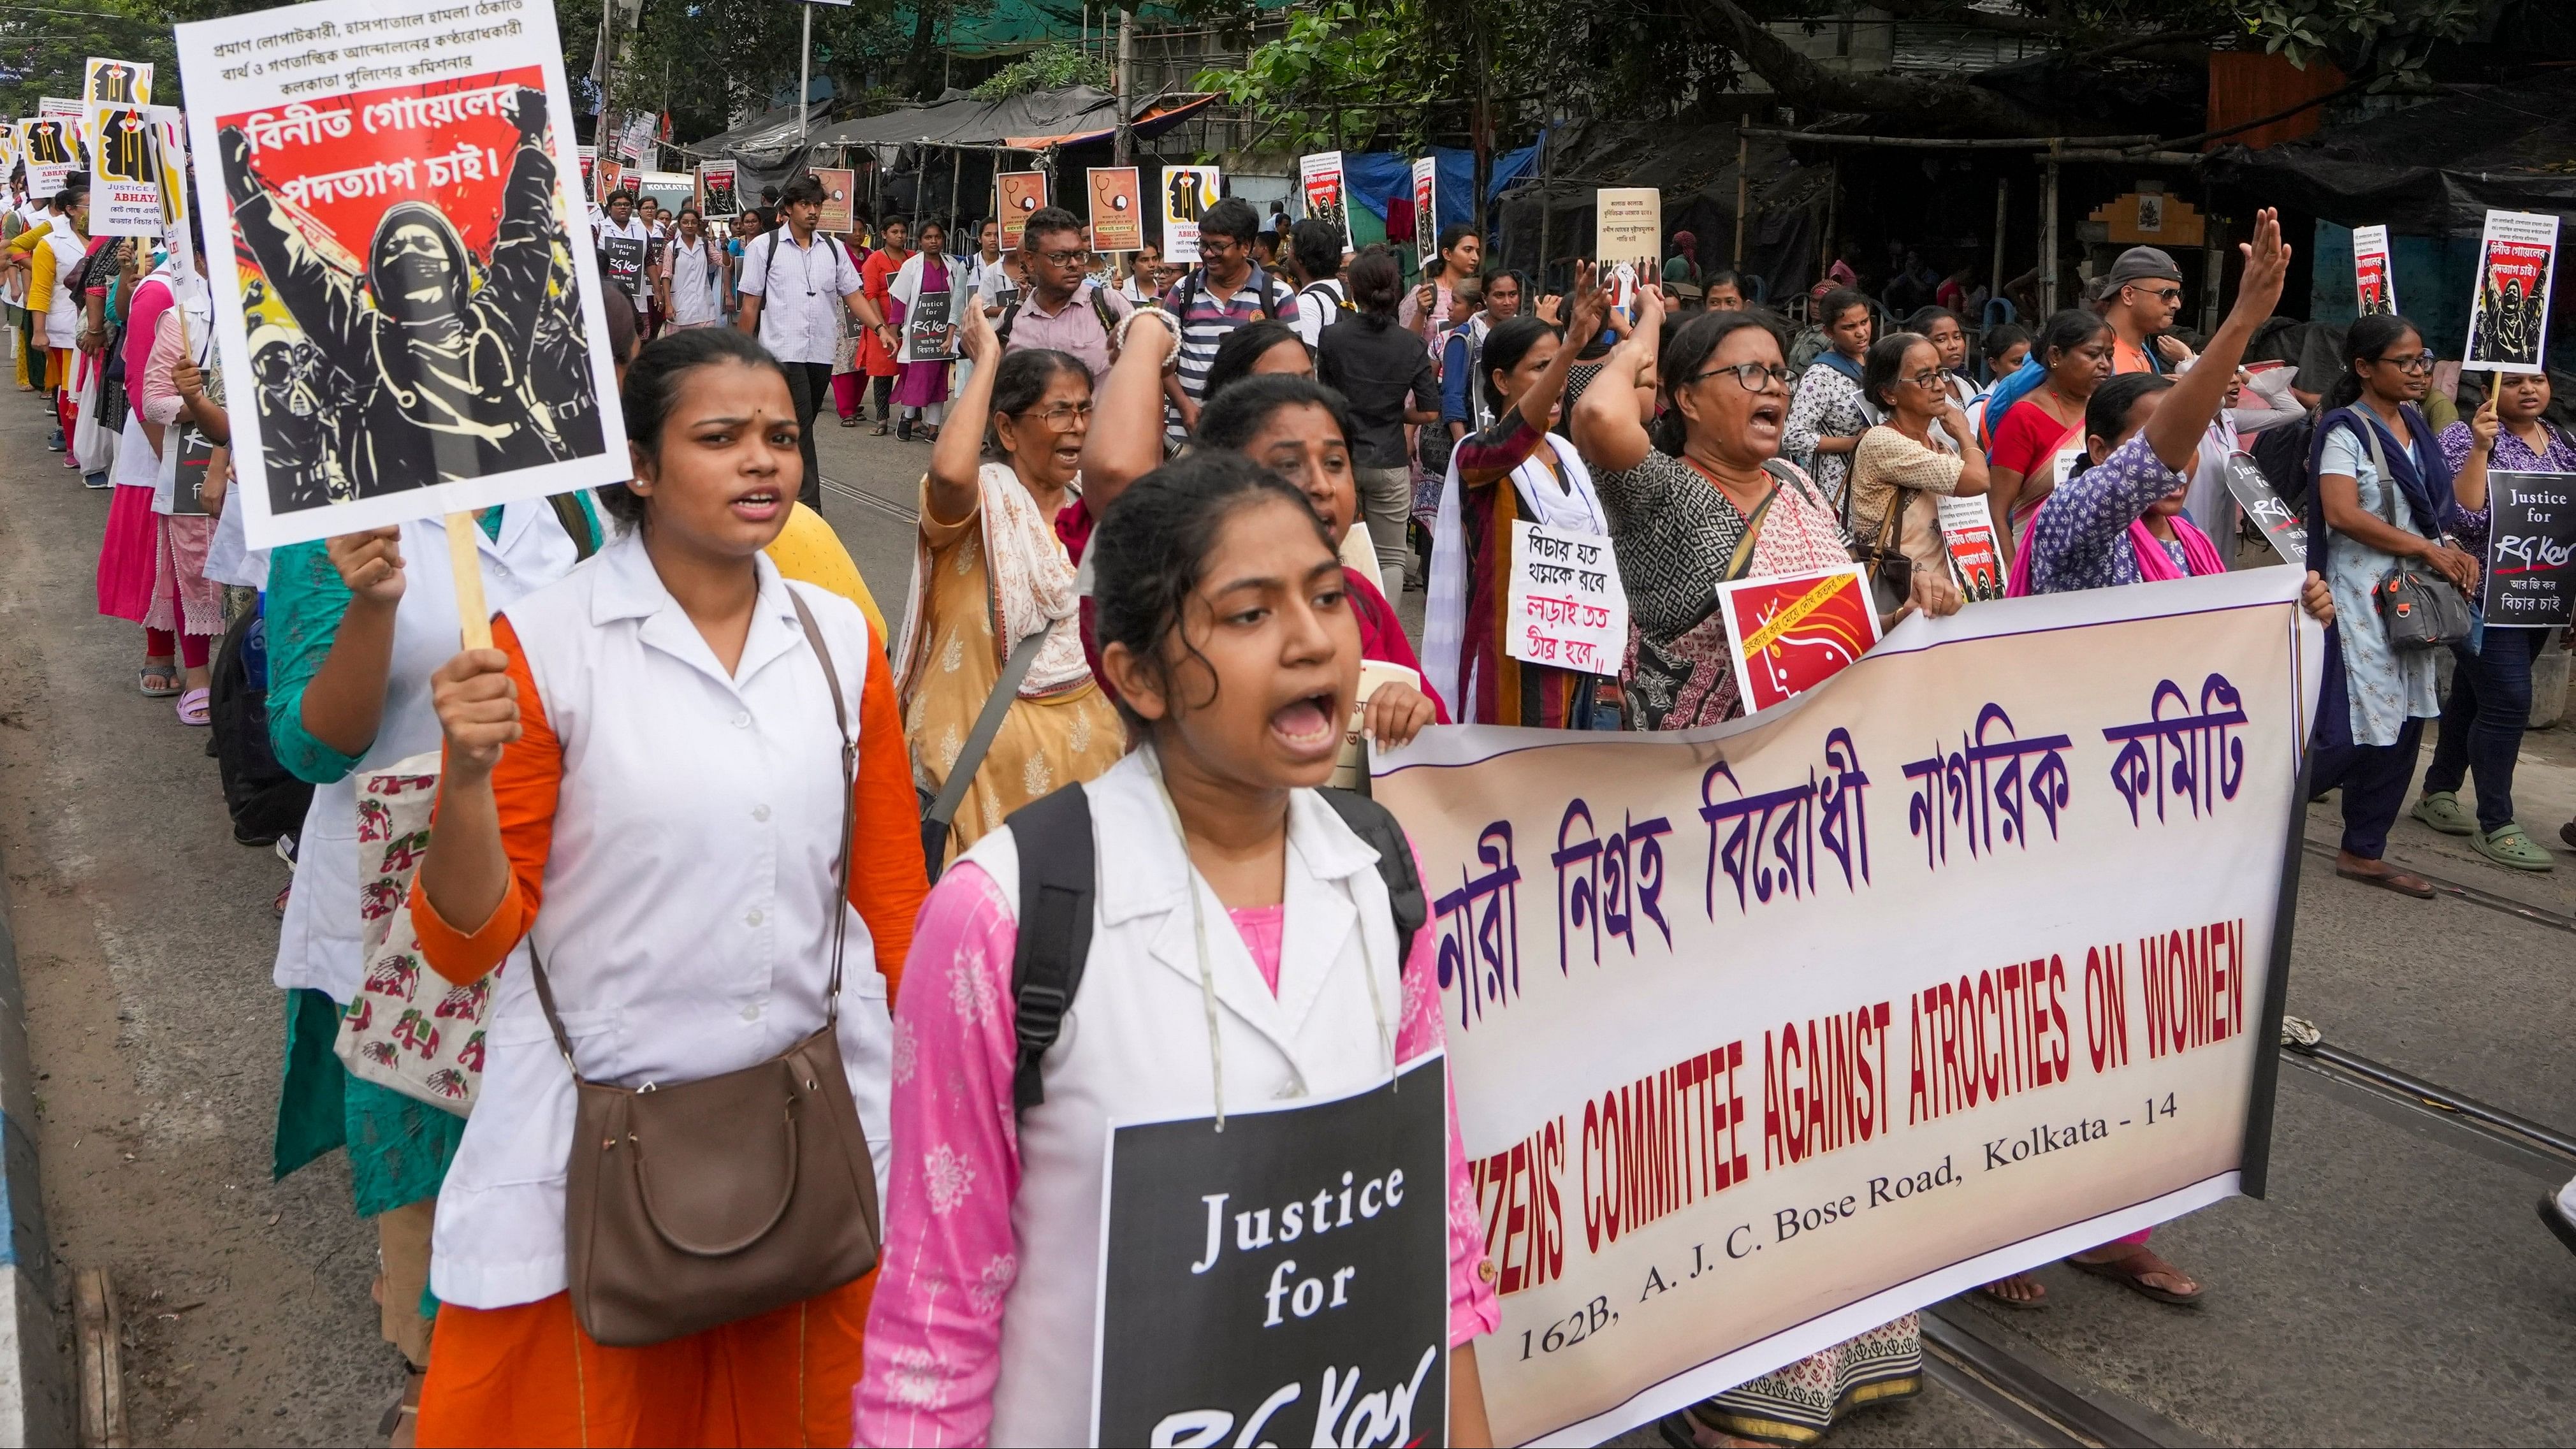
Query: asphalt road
x,y
2395,1288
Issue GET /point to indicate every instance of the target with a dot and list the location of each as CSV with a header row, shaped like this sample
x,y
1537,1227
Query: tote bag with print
x,y
407,1029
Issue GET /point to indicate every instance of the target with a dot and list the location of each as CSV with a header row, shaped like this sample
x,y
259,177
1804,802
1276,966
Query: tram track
x,y
2471,895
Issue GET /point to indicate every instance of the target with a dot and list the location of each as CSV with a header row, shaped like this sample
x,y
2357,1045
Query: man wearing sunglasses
x,y
2141,296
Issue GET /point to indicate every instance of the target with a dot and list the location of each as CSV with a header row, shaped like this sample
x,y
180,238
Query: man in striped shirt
x,y
1225,292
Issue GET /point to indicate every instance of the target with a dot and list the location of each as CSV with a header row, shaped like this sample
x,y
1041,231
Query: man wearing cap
x,y
2139,298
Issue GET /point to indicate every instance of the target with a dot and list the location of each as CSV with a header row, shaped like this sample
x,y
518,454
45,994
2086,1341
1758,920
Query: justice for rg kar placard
x,y
403,302
1768,1034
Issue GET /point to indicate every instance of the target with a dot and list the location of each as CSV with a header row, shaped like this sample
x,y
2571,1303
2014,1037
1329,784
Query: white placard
x,y
1188,191
2509,299
2374,277
1567,607
404,288
1765,1034
1320,182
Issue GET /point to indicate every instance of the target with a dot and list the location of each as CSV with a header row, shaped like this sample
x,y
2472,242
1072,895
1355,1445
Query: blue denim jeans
x,y
2483,720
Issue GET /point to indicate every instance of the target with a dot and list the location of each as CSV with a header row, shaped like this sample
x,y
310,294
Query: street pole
x,y
2048,231
805,71
1124,152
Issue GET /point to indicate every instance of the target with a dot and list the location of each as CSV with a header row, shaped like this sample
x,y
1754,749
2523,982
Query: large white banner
x,y
405,294
1766,1034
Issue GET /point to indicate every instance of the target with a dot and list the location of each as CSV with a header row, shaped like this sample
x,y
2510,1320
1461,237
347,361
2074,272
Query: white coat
x,y
689,894
1135,1048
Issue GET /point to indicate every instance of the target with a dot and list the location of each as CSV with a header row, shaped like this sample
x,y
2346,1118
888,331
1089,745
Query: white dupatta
x,y
1560,497
1028,579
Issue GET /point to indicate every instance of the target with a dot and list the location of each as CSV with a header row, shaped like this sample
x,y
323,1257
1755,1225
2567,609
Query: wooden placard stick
x,y
465,561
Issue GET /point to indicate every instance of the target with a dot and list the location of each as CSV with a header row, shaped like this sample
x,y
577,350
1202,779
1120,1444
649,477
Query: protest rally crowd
x,y
709,815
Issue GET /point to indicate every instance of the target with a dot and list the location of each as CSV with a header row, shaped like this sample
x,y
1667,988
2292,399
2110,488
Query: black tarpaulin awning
x,y
2434,169
1032,122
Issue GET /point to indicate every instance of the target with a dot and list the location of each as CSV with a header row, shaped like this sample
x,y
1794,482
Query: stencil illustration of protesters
x,y
439,363
294,424
559,368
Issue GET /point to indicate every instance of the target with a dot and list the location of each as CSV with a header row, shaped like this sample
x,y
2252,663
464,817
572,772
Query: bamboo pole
x,y
1743,189
466,562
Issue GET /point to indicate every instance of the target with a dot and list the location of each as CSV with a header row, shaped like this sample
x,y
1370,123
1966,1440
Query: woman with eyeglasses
x,y
2384,495
1706,499
1924,451
988,571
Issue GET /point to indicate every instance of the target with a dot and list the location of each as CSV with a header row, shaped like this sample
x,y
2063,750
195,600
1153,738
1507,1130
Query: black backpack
x,y
1099,308
1058,874
1277,302
2281,452
264,800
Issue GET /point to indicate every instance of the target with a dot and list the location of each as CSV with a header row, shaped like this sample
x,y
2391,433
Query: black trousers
x,y
2373,779
808,384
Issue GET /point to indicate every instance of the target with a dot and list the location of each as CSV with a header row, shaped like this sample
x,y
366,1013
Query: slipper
x,y
1986,1291
2510,848
849,422
881,429
2398,881
2442,810
195,707
2567,832
157,681
2124,1271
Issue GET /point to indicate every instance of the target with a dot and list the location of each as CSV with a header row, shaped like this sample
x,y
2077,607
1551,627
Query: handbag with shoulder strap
x,y
695,1204
2418,607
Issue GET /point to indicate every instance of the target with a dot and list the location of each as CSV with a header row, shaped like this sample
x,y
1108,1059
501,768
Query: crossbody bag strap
x,y
961,775
2379,460
849,797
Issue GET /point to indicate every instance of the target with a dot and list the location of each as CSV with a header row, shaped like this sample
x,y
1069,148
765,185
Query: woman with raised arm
x,y
991,571
1706,499
1515,469
2037,410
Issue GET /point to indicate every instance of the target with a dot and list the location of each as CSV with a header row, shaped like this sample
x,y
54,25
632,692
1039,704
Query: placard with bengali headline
x,y
405,289
1767,1034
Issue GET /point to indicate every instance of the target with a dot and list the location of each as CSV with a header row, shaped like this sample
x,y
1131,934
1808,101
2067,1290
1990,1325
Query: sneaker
x,y
2509,847
2555,1217
286,849
2442,810
55,443
94,480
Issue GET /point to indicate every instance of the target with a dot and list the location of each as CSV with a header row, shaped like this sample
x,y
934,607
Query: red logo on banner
x,y
339,162
1798,632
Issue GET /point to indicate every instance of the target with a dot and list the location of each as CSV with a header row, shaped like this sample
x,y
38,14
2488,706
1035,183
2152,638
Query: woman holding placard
x,y
1705,500
1225,624
2490,701
1514,470
924,279
676,803
2384,497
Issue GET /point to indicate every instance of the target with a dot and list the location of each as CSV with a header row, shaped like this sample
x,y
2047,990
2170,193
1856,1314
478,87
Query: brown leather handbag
x,y
696,1204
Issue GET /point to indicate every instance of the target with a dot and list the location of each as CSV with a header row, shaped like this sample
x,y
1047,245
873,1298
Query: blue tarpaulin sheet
x,y
1377,178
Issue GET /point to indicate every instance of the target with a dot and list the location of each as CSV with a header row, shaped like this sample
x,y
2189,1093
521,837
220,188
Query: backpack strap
x,y
1108,318
1010,314
1057,879
1405,900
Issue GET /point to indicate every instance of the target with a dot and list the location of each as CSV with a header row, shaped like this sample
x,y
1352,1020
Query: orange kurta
x,y
527,1374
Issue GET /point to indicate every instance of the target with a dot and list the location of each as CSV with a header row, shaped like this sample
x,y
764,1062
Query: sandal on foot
x,y
157,681
2038,1298
2510,848
2390,880
2442,810
850,422
196,707
2567,832
402,1421
2133,1268
881,429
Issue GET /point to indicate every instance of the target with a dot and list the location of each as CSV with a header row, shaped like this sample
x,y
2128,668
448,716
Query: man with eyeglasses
x,y
1063,308
2140,297
1229,289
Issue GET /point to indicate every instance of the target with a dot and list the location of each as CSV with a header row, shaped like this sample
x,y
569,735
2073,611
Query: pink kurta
x,y
934,1339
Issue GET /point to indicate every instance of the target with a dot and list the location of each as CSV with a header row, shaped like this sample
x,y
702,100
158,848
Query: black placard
x,y
931,335
196,451
2531,551
2281,524
625,255
1347,1324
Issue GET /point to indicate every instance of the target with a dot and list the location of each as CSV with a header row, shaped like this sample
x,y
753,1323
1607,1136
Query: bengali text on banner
x,y
1767,1034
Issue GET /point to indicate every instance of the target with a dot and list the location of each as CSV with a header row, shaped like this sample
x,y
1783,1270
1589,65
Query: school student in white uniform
x,y
1223,618
645,785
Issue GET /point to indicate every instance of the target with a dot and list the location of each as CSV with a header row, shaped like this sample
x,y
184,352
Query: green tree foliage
x,y
1050,67
45,43
1395,68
